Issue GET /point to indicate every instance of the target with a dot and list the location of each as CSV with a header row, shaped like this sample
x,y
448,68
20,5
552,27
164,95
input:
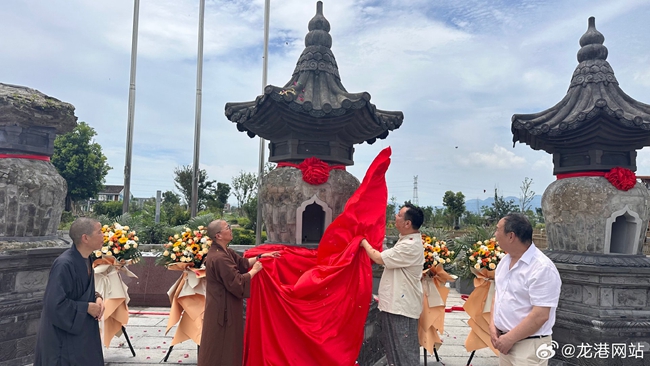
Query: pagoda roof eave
x,y
279,113
584,105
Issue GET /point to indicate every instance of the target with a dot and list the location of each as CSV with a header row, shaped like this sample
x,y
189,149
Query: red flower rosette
x,y
621,178
314,171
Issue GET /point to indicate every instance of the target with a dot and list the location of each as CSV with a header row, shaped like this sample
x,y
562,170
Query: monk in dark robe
x,y
69,331
228,278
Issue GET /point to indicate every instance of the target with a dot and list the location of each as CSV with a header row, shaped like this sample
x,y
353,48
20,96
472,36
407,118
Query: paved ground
x,y
147,335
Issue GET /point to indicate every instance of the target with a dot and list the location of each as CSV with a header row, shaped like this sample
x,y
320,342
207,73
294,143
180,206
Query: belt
x,y
531,337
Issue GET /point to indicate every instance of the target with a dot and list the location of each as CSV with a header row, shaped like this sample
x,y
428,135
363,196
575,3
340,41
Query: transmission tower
x,y
415,191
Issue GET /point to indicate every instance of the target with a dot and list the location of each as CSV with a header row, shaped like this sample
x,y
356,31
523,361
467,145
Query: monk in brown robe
x,y
228,277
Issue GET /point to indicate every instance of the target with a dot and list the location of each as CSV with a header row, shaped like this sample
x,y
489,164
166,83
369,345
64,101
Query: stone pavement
x,y
146,330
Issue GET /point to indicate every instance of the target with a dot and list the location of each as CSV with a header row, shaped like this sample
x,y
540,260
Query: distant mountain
x,y
474,205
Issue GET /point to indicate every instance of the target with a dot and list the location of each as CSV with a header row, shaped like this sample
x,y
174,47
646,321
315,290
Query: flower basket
x,y
187,298
109,264
434,277
186,252
484,256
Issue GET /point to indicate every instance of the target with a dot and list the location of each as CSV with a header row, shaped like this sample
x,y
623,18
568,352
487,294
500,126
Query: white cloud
x,y
499,158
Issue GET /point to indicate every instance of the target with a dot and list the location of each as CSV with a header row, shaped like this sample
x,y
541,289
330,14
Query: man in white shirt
x,y
400,291
527,293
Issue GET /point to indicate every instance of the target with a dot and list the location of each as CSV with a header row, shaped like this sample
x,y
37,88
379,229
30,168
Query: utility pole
x,y
129,129
415,191
260,170
197,113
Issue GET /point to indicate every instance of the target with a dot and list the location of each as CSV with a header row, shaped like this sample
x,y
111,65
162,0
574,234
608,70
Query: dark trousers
x,y
400,339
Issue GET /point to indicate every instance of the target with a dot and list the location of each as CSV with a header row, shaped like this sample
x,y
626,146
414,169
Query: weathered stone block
x,y
571,293
28,281
630,297
590,295
606,297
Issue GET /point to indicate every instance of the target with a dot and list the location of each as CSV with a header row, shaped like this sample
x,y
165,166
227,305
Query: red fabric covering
x,y
30,157
314,170
621,178
309,307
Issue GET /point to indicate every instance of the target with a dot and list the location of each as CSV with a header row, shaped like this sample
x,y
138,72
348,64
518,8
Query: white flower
x,y
166,253
204,239
104,250
176,236
477,266
176,249
188,230
135,238
126,228
173,256
135,245
492,266
108,254
127,246
117,226
115,250
98,253
201,227
448,260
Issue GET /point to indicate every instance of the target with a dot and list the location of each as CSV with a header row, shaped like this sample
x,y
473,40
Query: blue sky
x,y
458,70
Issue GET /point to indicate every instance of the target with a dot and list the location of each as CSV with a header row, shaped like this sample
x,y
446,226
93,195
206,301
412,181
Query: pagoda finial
x,y
319,29
592,44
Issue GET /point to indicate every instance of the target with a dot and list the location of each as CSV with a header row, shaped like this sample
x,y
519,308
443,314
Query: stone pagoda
x,y
32,195
596,212
312,124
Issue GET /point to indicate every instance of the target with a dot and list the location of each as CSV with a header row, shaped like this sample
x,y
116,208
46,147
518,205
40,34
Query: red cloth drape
x,y
22,156
309,307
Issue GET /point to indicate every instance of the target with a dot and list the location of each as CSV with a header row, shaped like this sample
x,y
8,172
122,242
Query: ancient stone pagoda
x,y
596,213
312,124
32,195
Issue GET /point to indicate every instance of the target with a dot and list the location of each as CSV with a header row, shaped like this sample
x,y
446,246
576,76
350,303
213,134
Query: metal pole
x,y
260,170
157,217
197,127
129,129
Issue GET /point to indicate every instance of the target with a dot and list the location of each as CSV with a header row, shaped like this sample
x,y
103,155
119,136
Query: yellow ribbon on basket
x,y
187,298
479,308
109,284
432,318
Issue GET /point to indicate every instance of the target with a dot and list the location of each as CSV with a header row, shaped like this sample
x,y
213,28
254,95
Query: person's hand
x,y
271,254
257,267
94,309
363,242
99,301
504,343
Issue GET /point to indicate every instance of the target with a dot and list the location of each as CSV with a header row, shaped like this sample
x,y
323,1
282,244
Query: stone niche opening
x,y
623,232
312,217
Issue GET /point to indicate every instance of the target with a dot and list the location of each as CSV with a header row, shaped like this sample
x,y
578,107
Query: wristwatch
x,y
259,257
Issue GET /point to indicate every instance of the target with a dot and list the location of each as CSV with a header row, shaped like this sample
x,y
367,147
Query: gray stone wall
x,y
32,196
23,277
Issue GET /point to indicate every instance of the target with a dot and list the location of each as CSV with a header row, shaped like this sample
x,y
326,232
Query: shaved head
x,y
216,226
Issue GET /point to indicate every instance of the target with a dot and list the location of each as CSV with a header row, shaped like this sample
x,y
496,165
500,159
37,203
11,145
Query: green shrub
x,y
155,234
108,208
243,236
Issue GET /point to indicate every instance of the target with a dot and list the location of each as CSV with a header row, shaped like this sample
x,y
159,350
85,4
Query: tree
x,y
455,205
81,162
527,194
171,198
219,198
244,187
499,208
183,181
391,209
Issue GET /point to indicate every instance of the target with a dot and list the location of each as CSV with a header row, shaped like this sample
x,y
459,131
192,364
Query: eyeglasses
x,y
225,228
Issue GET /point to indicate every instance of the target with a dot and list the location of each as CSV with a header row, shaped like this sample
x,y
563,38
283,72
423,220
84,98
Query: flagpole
x,y
131,113
197,127
260,170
